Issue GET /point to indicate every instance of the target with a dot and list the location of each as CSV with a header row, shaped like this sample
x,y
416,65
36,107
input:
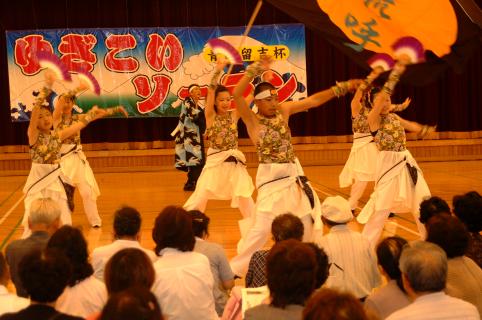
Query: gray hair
x,y
425,266
43,211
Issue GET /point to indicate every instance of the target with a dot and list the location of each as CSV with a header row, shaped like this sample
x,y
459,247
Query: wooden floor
x,y
150,191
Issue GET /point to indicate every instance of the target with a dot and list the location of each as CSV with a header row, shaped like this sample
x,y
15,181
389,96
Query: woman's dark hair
x,y
333,305
71,242
287,226
431,207
260,87
468,208
369,96
323,266
44,274
219,89
134,303
388,255
449,233
173,229
128,268
200,223
291,271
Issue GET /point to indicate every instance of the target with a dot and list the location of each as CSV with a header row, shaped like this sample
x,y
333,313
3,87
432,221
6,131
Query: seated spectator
x,y
8,302
126,269
331,304
43,221
468,208
431,207
127,226
220,268
323,267
391,297
283,227
464,277
424,272
353,264
134,303
84,294
44,276
291,269
184,282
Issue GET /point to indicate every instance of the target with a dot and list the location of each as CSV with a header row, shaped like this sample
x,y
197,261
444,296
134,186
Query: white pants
x,y
356,193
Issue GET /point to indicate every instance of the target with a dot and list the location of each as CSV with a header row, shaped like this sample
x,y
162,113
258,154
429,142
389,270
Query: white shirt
x,y
10,302
437,306
184,285
101,255
354,265
85,298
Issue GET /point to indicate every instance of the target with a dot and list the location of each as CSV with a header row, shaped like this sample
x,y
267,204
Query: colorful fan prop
x,y
222,47
52,62
411,47
381,60
91,81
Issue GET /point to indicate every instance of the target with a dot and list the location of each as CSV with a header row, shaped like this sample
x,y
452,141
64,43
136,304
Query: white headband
x,y
266,94
192,88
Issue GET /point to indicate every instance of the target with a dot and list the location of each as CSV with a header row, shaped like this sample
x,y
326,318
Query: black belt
x,y
368,135
234,159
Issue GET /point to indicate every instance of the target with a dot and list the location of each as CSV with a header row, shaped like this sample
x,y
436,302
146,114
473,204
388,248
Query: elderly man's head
x,y
424,268
44,214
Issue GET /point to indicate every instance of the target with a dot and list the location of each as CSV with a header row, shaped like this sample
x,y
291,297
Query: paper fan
x,y
222,47
381,60
52,62
411,47
90,80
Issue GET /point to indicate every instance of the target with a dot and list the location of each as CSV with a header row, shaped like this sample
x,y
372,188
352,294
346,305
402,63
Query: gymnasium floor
x,y
150,191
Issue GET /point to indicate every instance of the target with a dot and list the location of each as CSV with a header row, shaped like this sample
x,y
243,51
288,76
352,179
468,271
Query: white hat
x,y
336,209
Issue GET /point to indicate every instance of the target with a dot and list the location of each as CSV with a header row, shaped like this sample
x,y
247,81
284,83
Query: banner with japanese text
x,y
148,70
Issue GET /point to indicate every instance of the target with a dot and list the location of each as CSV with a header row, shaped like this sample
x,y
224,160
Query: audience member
x,y
134,303
127,226
220,268
468,208
331,304
431,207
43,221
323,266
391,297
464,277
284,227
184,282
291,270
353,264
424,273
84,294
8,302
44,276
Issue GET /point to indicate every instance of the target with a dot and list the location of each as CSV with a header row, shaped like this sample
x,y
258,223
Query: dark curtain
x,y
453,101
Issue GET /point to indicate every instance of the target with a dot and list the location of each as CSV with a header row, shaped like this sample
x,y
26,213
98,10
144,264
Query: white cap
x,y
336,209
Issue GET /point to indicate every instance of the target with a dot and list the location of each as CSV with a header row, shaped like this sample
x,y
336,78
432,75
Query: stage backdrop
x,y
148,70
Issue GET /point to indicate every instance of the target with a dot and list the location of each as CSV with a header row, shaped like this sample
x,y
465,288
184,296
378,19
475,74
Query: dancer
x,y
74,165
399,182
224,175
361,164
281,183
44,178
188,136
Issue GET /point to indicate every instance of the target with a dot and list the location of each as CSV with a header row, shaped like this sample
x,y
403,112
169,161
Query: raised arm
x,y
380,101
319,98
92,115
209,111
356,102
32,131
401,106
244,112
